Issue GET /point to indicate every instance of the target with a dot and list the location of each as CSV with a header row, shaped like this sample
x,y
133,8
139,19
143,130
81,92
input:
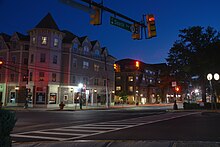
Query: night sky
x,y
170,15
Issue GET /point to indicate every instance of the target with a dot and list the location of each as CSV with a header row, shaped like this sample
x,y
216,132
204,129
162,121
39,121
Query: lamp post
x,y
209,78
95,92
80,85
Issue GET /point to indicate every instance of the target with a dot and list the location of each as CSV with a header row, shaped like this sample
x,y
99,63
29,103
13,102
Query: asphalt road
x,y
122,125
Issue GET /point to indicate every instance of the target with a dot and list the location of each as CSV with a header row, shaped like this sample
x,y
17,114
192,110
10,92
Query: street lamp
x,y
80,85
209,78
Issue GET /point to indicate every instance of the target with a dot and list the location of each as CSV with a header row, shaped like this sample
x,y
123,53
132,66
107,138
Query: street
x,y
116,124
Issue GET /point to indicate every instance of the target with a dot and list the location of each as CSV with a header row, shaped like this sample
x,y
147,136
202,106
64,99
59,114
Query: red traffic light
x,y
177,89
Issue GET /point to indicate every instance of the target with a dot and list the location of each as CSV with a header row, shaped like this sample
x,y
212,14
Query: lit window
x,y
130,78
56,42
44,40
96,67
42,57
85,65
118,88
118,78
130,88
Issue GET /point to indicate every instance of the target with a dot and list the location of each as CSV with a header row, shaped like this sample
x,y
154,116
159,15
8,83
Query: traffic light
x,y
95,16
137,64
151,26
117,68
136,32
1,63
177,88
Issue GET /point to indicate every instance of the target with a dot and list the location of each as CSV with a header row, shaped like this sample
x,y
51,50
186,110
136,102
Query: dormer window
x,y
97,53
56,42
44,40
86,50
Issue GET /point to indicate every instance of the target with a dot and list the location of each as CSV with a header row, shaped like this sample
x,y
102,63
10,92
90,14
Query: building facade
x,y
46,67
142,83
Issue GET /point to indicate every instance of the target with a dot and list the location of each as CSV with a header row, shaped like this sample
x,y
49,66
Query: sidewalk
x,y
76,108
120,143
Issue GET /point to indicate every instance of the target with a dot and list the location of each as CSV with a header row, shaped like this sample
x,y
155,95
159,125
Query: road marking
x,y
97,128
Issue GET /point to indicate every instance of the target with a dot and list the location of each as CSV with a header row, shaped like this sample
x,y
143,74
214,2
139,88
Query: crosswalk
x,y
85,130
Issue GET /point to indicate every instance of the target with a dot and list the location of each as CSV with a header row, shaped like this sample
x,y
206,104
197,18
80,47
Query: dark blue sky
x,y
171,16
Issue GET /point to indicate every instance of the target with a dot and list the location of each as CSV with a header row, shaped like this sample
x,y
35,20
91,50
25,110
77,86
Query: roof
x,y
47,22
5,36
81,39
94,42
69,36
23,37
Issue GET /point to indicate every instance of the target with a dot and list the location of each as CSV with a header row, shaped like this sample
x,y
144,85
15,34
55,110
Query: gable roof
x,y
81,39
5,36
47,22
94,42
69,36
23,37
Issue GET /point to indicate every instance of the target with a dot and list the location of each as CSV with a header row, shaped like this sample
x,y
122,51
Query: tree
x,y
195,54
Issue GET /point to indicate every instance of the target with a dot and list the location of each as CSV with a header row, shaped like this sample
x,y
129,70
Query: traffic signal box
x,y
137,64
136,32
1,63
95,16
151,26
117,68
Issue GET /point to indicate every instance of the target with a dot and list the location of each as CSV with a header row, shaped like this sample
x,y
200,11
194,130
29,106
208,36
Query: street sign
x,y
121,24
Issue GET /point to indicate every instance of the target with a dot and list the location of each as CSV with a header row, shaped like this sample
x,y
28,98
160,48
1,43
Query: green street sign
x,y
121,24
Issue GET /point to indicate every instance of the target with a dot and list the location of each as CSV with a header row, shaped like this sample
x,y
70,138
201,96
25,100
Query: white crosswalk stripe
x,y
85,130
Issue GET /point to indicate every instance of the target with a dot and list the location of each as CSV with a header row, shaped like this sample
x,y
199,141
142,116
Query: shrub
x,y
7,123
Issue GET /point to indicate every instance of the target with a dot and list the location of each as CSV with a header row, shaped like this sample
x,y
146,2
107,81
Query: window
x,y
41,76
131,88
12,77
31,76
118,78
86,80
96,81
55,59
34,40
14,44
104,83
97,53
32,58
85,65
44,40
86,50
0,77
26,47
130,78
42,57
1,45
73,79
96,67
54,77
75,46
13,59
118,88
74,63
56,42
25,61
